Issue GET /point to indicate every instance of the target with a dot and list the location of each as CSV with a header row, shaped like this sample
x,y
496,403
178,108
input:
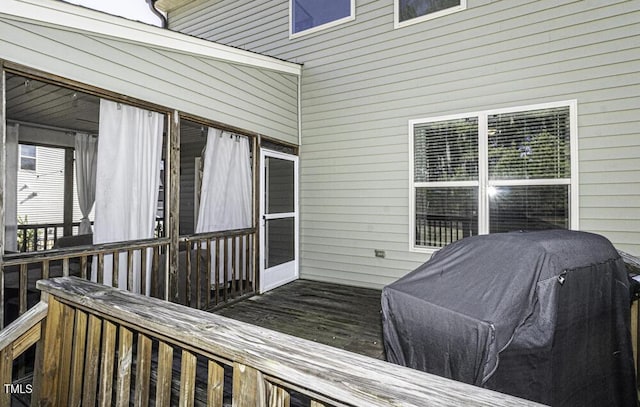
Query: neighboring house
x,y
41,185
414,107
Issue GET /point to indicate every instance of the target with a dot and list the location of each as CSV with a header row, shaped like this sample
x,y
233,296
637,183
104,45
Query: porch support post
x,y
173,206
68,192
257,173
3,165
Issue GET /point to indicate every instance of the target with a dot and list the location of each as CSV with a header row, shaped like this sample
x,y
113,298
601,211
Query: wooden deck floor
x,y
337,315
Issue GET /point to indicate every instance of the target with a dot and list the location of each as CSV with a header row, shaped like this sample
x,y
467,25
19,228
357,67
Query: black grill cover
x,y
539,315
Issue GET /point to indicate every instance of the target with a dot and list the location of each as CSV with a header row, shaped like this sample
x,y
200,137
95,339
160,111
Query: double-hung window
x,y
308,16
493,171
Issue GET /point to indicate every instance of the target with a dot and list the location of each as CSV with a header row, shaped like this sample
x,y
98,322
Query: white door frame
x,y
276,276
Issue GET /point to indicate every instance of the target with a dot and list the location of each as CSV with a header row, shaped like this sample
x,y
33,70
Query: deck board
x,y
337,315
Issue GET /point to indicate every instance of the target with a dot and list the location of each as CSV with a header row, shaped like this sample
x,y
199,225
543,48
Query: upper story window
x,y
308,16
493,171
27,157
409,12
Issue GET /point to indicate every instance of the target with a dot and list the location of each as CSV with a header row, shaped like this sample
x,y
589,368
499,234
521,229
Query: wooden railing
x,y
20,271
19,337
117,348
216,268
43,236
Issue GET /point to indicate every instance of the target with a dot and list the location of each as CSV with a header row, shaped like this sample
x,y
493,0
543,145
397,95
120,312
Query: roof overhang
x,y
81,19
170,5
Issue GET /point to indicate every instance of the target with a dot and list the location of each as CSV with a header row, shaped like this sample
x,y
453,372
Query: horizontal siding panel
x,y
340,143
354,227
621,240
367,263
606,189
614,214
610,153
605,201
372,130
368,219
355,169
375,239
394,175
370,185
367,159
612,176
380,211
358,201
622,137
612,225
609,165
356,152
346,169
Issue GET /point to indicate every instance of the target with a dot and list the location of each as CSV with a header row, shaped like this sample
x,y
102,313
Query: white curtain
x,y
127,179
86,164
225,195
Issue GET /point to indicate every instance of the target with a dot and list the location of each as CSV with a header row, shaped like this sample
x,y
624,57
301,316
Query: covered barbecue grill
x,y
540,315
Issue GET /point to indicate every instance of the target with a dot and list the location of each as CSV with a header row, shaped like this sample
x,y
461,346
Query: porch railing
x,y
43,236
115,347
20,271
215,268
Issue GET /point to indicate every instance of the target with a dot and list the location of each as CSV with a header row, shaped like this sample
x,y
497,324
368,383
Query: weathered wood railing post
x,y
173,205
56,365
249,387
3,171
68,193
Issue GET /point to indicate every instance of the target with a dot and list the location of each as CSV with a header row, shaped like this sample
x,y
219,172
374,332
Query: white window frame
x,y
399,24
350,17
483,182
34,158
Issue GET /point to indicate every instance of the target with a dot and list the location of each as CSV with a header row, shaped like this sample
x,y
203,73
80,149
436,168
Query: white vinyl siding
x,y
363,81
40,193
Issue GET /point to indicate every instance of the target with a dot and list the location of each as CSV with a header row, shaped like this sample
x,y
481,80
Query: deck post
x,y
255,255
3,171
173,206
68,193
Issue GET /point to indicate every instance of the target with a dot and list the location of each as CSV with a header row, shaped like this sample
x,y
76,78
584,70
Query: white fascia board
x,y
81,19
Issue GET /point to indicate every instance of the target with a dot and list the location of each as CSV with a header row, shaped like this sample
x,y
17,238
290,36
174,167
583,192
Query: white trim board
x,y
75,18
